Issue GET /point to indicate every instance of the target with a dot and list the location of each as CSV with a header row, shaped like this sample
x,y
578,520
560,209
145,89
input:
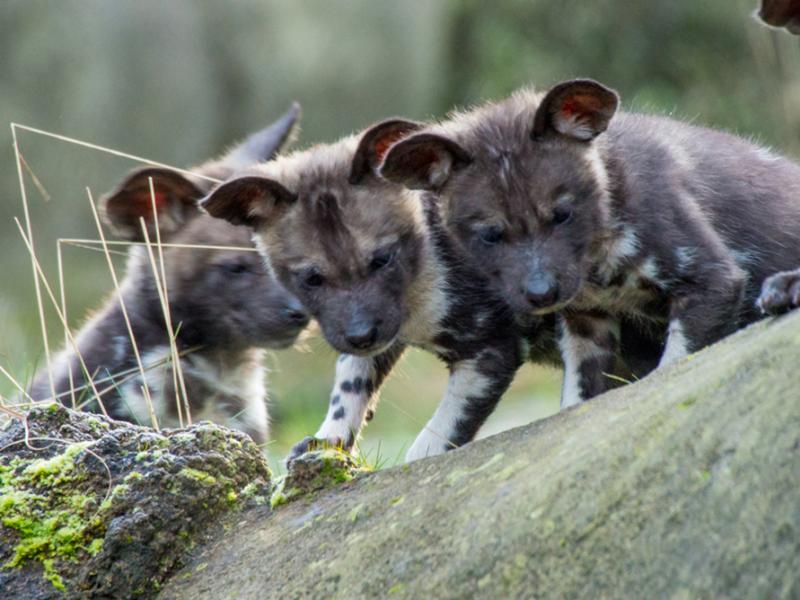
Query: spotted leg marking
x,y
588,346
473,390
352,400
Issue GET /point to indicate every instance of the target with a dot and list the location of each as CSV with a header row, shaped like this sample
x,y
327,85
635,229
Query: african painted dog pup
x,y
373,264
602,218
473,230
225,306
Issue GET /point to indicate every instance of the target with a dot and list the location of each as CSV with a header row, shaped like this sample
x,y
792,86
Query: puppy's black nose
x,y
541,290
361,335
295,313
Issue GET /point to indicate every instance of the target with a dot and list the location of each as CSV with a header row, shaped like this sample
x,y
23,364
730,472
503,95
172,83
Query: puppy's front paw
x,y
780,293
309,444
427,444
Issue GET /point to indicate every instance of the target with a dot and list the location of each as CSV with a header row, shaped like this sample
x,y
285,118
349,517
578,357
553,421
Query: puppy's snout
x,y
295,314
361,334
541,290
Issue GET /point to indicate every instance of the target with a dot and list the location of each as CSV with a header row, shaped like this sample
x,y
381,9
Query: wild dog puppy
x,y
604,218
373,264
476,232
225,306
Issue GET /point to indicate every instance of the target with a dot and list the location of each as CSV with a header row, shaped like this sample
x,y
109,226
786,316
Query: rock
x,y
96,508
683,485
313,471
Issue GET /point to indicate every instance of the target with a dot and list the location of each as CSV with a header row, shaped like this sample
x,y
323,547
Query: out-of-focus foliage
x,y
709,61
176,81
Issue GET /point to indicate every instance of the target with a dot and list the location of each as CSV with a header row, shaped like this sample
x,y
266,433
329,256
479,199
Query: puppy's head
x,y
521,186
347,243
220,296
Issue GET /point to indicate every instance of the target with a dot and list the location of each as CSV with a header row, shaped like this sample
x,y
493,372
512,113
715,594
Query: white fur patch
x,y
245,380
600,173
353,403
625,246
156,378
649,269
598,168
677,346
465,380
121,345
573,125
574,351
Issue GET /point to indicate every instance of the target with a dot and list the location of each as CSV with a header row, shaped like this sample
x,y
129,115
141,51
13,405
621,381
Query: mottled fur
x,y
481,200
225,305
654,220
374,265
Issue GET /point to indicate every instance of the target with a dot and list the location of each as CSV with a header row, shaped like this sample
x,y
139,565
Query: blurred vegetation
x,y
177,81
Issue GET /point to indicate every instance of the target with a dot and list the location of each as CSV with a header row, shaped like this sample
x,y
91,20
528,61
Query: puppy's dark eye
x,y
235,268
490,235
313,279
382,259
561,214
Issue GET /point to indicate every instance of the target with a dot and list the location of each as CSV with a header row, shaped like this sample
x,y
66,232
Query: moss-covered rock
x,y
96,508
313,471
684,485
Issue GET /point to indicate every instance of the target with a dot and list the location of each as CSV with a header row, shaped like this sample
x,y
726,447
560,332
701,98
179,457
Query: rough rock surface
x,y
104,509
313,471
684,485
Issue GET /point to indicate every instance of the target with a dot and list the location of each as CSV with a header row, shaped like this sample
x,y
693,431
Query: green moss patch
x,y
53,515
314,471
65,525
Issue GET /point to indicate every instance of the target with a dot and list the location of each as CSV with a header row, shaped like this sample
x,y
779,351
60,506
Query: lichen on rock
x,y
97,508
314,471
683,485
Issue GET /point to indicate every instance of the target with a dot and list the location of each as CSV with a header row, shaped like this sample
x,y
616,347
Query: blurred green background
x,y
177,81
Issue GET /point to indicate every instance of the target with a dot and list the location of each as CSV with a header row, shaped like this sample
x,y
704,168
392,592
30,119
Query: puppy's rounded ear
x,y
258,147
424,161
175,199
375,143
580,109
250,200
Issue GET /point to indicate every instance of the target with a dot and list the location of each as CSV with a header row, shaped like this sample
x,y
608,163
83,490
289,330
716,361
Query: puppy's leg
x,y
473,390
704,312
780,293
588,344
352,400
